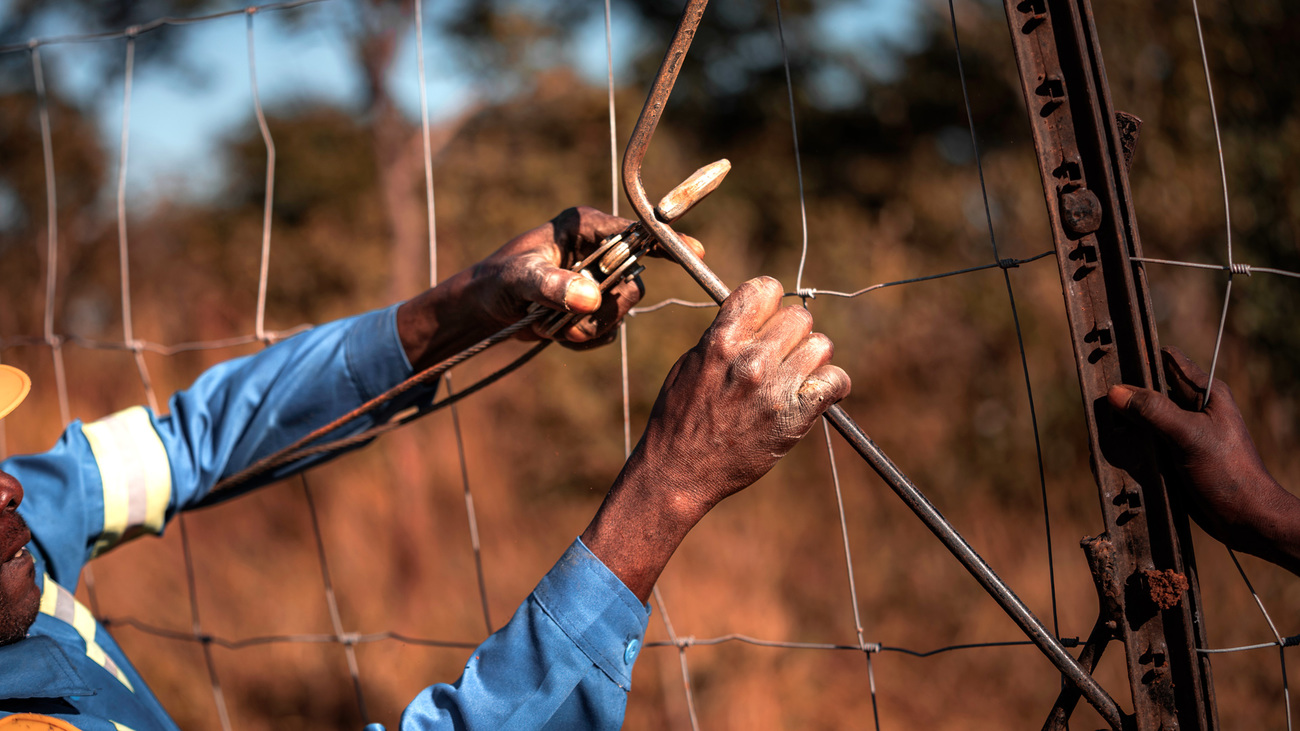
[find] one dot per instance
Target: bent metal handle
(843, 423)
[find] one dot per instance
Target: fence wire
(56, 342)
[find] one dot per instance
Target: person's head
(19, 599)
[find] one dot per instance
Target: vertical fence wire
(268, 201)
(331, 601)
(681, 644)
(469, 508)
(428, 147)
(1015, 316)
(1223, 319)
(124, 263)
(613, 209)
(613, 127)
(1277, 636)
(54, 342)
(128, 334)
(268, 209)
(196, 625)
(1227, 209)
(803, 295)
(848, 565)
(123, 249)
(623, 365)
(798, 160)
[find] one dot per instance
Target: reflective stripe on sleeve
(59, 603)
(135, 473)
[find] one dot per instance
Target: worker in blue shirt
(730, 408)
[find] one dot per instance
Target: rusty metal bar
(1083, 157)
(843, 423)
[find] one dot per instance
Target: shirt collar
(37, 667)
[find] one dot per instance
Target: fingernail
(695, 245)
(581, 295)
(1120, 396)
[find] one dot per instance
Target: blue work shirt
(564, 660)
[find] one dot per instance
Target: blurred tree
(79, 168)
(892, 192)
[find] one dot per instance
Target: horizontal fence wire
(357, 638)
(252, 338)
(138, 30)
(56, 343)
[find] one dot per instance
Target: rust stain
(1166, 587)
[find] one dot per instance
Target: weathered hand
(531, 267)
(729, 410)
(1234, 498)
(739, 400)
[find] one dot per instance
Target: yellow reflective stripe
(135, 473)
(49, 596)
(121, 726)
(101, 657)
(60, 604)
(83, 622)
(95, 652)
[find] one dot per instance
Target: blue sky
(179, 115)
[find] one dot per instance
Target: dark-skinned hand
(1233, 496)
(742, 398)
(730, 408)
(532, 267)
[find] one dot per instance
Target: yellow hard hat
(14, 385)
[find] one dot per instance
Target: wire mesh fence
(55, 346)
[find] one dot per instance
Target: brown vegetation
(892, 194)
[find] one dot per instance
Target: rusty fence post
(1142, 564)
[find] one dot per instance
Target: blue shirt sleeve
(130, 473)
(564, 661)
(245, 409)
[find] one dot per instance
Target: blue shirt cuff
(376, 360)
(596, 611)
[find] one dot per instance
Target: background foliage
(892, 193)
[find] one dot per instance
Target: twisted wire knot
(807, 293)
(1240, 269)
(1008, 263)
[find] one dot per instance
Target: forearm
(1271, 529)
(640, 525)
(445, 320)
